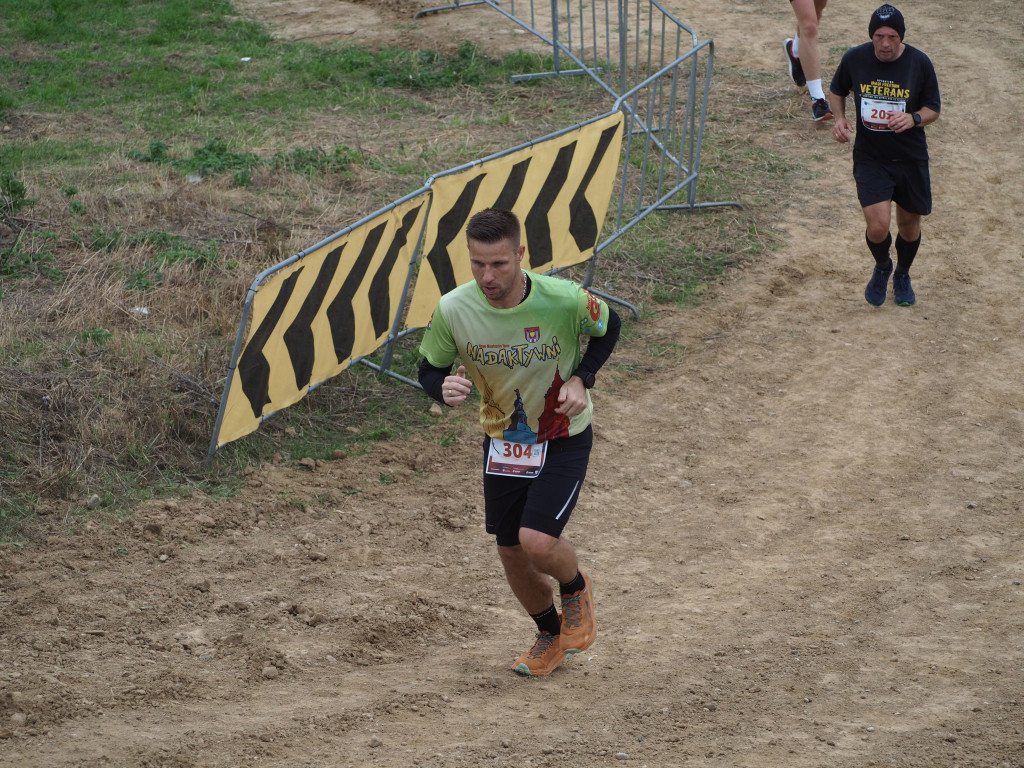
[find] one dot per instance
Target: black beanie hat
(887, 16)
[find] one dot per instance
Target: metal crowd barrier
(654, 71)
(653, 67)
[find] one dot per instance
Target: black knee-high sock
(548, 621)
(880, 250)
(906, 250)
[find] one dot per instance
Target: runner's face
(888, 45)
(497, 272)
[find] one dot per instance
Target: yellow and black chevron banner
(311, 318)
(559, 188)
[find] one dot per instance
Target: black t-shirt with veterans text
(878, 87)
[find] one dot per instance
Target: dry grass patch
(111, 375)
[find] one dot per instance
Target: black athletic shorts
(905, 182)
(542, 503)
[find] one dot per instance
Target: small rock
(375, 741)
(18, 719)
(205, 520)
(621, 756)
(308, 462)
(93, 501)
(270, 672)
(435, 409)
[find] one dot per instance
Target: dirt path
(804, 528)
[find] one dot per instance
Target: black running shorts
(905, 182)
(542, 503)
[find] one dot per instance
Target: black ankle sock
(880, 250)
(548, 621)
(906, 250)
(573, 586)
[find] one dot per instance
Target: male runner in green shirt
(517, 338)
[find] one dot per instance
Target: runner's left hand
(572, 397)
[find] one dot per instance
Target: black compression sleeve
(432, 379)
(599, 348)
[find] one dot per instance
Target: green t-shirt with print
(519, 357)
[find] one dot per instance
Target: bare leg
(530, 566)
(878, 218)
(808, 14)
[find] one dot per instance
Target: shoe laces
(572, 610)
(542, 644)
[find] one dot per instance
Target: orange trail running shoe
(579, 628)
(542, 659)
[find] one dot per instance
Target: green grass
(217, 156)
(15, 263)
(160, 66)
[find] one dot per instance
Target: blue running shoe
(878, 284)
(901, 290)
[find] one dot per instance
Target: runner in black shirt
(896, 94)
